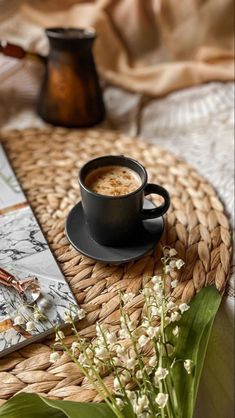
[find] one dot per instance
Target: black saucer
(78, 235)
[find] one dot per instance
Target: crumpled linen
(151, 47)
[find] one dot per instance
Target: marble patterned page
(24, 253)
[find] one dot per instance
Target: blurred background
(166, 69)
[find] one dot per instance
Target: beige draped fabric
(145, 46)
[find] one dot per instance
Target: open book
(24, 253)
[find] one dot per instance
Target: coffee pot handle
(160, 210)
(16, 51)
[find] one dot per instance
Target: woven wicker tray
(47, 163)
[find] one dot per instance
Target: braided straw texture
(47, 163)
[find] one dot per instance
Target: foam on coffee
(113, 180)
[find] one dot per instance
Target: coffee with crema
(113, 180)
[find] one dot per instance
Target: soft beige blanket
(146, 46)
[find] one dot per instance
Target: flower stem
(110, 404)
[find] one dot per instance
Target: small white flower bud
(54, 357)
(122, 380)
(123, 333)
(147, 291)
(19, 320)
(175, 331)
(101, 352)
(172, 264)
(161, 373)
(81, 314)
(175, 316)
(166, 251)
(127, 297)
(116, 384)
(74, 347)
(38, 315)
(138, 409)
(172, 252)
(161, 399)
(130, 363)
(157, 288)
(153, 361)
(179, 263)
(119, 402)
(89, 352)
(156, 280)
(59, 336)
(130, 394)
(120, 349)
(132, 353)
(30, 326)
(68, 318)
(145, 323)
(153, 331)
(154, 311)
(143, 402)
(188, 366)
(167, 320)
(183, 307)
(139, 374)
(143, 340)
(170, 305)
(111, 338)
(174, 283)
(167, 269)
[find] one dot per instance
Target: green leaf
(27, 405)
(81, 409)
(195, 328)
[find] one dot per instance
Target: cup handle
(160, 210)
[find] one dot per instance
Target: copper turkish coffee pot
(70, 94)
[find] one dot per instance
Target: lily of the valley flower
(153, 331)
(30, 326)
(175, 331)
(54, 357)
(38, 315)
(175, 316)
(127, 297)
(141, 354)
(75, 347)
(140, 404)
(130, 363)
(59, 335)
(19, 320)
(172, 252)
(161, 373)
(143, 340)
(161, 399)
(183, 307)
(188, 366)
(179, 263)
(156, 280)
(174, 283)
(101, 352)
(81, 314)
(153, 361)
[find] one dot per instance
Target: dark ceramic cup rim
(121, 159)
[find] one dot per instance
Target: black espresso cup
(112, 220)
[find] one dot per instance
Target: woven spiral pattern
(47, 163)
